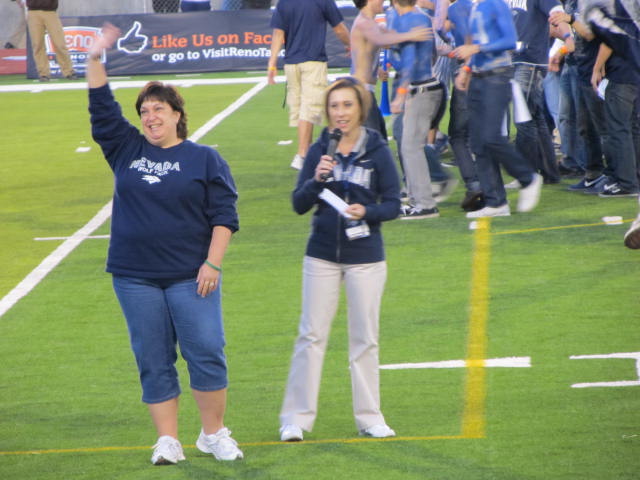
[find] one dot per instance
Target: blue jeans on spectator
(593, 130)
(459, 139)
(551, 90)
(572, 144)
(533, 139)
(489, 98)
(163, 313)
(619, 108)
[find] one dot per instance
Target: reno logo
(78, 40)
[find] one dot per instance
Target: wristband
(466, 68)
(272, 69)
(215, 267)
(402, 90)
(564, 50)
(566, 35)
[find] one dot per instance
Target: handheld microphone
(334, 139)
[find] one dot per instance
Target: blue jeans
(459, 139)
(489, 98)
(533, 139)
(593, 129)
(163, 313)
(551, 91)
(619, 101)
(572, 144)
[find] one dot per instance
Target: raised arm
(96, 73)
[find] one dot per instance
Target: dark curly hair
(360, 3)
(168, 94)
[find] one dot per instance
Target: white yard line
(508, 362)
(70, 243)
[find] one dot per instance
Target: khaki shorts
(306, 83)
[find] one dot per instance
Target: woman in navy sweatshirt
(343, 247)
(174, 211)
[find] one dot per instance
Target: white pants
(364, 284)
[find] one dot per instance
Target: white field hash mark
(70, 243)
(507, 362)
(623, 383)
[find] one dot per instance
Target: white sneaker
(220, 445)
(167, 451)
(378, 431)
(529, 196)
(632, 237)
(291, 433)
(297, 162)
(502, 211)
(513, 185)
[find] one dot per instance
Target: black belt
(426, 86)
(495, 71)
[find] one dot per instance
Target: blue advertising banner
(180, 42)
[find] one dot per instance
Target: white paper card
(335, 201)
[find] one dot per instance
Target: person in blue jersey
(531, 58)
(487, 75)
(367, 38)
(174, 211)
(418, 96)
(458, 14)
(344, 248)
(301, 27)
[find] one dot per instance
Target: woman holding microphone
(344, 247)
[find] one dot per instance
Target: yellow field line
(562, 227)
(247, 444)
(473, 417)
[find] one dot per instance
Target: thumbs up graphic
(133, 41)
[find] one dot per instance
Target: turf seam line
(561, 227)
(244, 444)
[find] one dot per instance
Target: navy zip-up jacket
(166, 201)
(369, 178)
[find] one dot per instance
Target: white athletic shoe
(167, 451)
(502, 211)
(291, 433)
(529, 196)
(512, 185)
(378, 431)
(297, 162)
(220, 445)
(632, 237)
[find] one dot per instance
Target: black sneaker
(9, 45)
(612, 190)
(71, 76)
(43, 79)
(472, 201)
(415, 214)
